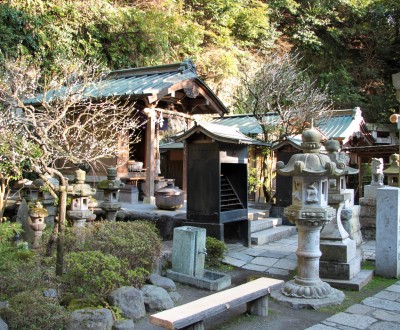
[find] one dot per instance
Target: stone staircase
(265, 229)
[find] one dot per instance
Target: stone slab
(233, 262)
(389, 295)
(352, 320)
(360, 309)
(286, 264)
(356, 283)
(277, 271)
(394, 288)
(263, 261)
(240, 256)
(321, 327)
(386, 316)
(382, 304)
(256, 268)
(384, 326)
(336, 298)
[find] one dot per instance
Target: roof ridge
(182, 67)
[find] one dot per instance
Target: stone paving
(379, 312)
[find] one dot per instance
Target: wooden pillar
(184, 174)
(150, 159)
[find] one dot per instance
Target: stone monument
(340, 263)
(310, 212)
(368, 202)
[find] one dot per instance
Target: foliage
(31, 310)
(350, 46)
(94, 274)
(215, 252)
(137, 242)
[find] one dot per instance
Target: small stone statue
(312, 194)
(377, 172)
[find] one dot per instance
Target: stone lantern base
(334, 298)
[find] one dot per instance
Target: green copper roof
(151, 83)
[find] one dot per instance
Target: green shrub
(93, 274)
(138, 242)
(22, 269)
(215, 252)
(30, 310)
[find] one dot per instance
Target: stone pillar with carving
(310, 212)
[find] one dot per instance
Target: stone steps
(266, 223)
(272, 234)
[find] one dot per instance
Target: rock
(164, 282)
(123, 325)
(156, 298)
(4, 304)
(99, 319)
(3, 325)
(175, 296)
(129, 300)
(50, 293)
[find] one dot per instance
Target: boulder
(50, 293)
(175, 296)
(99, 319)
(129, 300)
(3, 325)
(156, 298)
(124, 325)
(164, 282)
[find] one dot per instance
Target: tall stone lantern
(310, 212)
(37, 214)
(81, 191)
(111, 188)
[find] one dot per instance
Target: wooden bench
(192, 315)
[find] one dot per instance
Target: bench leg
(196, 326)
(258, 307)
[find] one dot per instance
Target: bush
(215, 252)
(30, 310)
(94, 275)
(137, 242)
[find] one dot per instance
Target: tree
(66, 121)
(279, 87)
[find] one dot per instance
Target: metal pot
(169, 197)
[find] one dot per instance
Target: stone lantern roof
(339, 158)
(310, 162)
(80, 188)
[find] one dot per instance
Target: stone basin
(212, 281)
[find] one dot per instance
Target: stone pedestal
(388, 232)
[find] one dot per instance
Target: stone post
(310, 212)
(387, 260)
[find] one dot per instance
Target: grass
(378, 283)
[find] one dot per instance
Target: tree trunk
(62, 209)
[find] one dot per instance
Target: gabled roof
(176, 84)
(341, 125)
(219, 133)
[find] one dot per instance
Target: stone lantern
(46, 198)
(28, 190)
(310, 212)
(80, 193)
(392, 172)
(111, 187)
(341, 238)
(36, 216)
